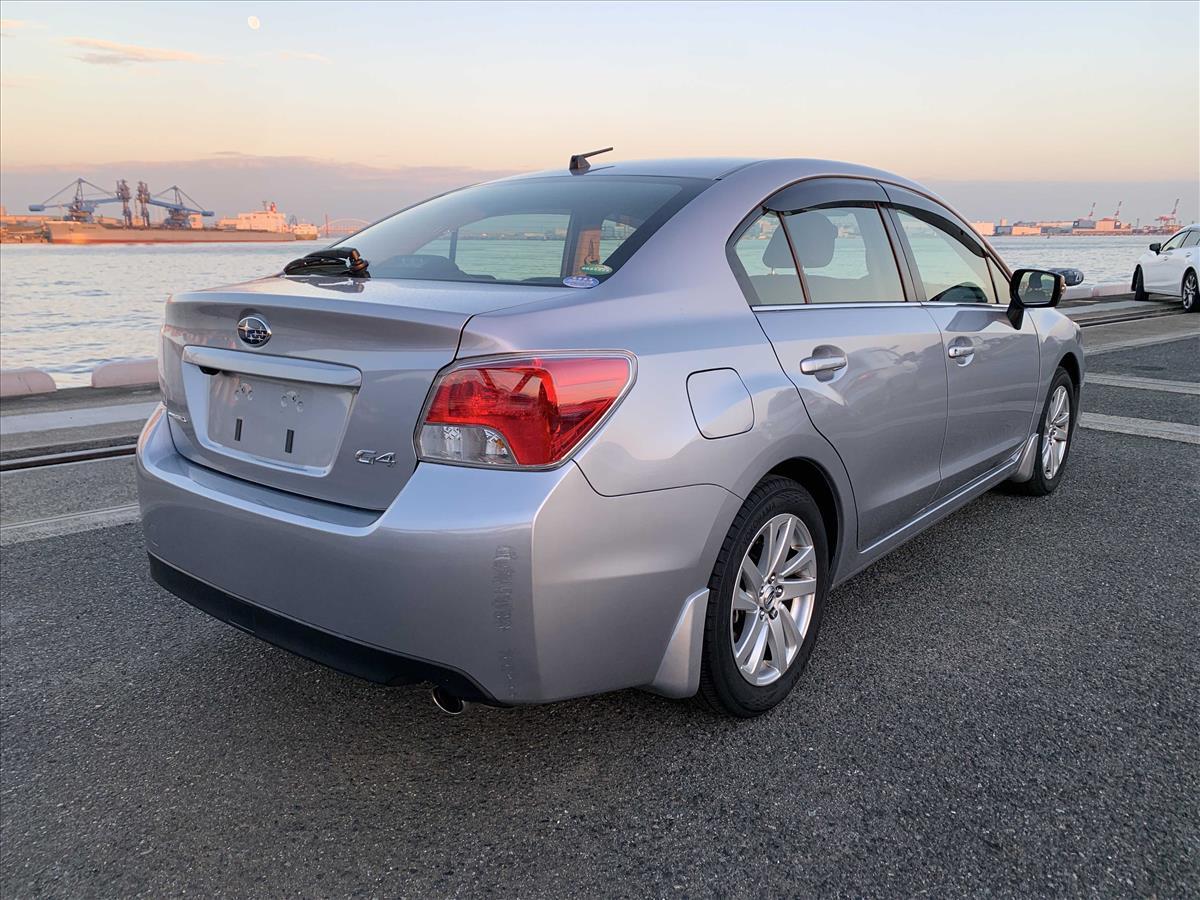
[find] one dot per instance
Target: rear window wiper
(332, 261)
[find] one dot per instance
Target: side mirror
(1156, 247)
(1032, 289)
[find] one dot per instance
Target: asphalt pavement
(1007, 706)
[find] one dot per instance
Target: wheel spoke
(781, 541)
(744, 601)
(1060, 402)
(757, 648)
(778, 643)
(791, 626)
(751, 573)
(797, 562)
(751, 632)
(797, 587)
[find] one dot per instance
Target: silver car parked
(613, 426)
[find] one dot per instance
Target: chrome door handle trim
(960, 352)
(816, 364)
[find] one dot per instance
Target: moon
(253, 23)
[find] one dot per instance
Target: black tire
(1139, 289)
(1189, 292)
(1039, 485)
(722, 687)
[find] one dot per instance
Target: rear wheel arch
(817, 482)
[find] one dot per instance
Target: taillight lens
(520, 412)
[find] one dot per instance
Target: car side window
(951, 271)
(1174, 242)
(845, 255)
(1192, 239)
(766, 259)
(1000, 280)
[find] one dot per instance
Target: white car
(1170, 268)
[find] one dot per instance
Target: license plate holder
(292, 423)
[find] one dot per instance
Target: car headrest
(778, 255)
(813, 236)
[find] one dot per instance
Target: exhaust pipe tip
(447, 702)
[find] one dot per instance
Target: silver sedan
(619, 425)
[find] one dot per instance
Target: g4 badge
(371, 457)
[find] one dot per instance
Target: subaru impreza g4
(613, 426)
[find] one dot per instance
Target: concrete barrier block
(19, 382)
(1109, 289)
(1078, 292)
(125, 373)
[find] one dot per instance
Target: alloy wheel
(1190, 291)
(773, 599)
(1058, 431)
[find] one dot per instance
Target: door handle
(814, 365)
(960, 351)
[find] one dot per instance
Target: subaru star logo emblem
(254, 331)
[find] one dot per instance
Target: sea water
(65, 309)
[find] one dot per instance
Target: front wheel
(1189, 293)
(767, 596)
(1055, 433)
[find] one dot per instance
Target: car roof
(714, 168)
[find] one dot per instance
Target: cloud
(304, 56)
(7, 26)
(110, 53)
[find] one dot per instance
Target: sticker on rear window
(595, 269)
(581, 281)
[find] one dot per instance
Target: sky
(352, 109)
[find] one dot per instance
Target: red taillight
(529, 411)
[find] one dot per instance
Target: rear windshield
(527, 231)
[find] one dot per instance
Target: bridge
(342, 227)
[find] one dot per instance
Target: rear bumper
(509, 587)
(337, 652)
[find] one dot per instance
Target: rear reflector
(520, 412)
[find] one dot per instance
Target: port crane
(172, 200)
(1117, 214)
(81, 207)
(1169, 222)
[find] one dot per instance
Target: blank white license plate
(290, 422)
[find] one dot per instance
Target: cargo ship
(60, 231)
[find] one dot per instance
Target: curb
(24, 381)
(119, 373)
(126, 373)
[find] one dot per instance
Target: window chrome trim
(866, 304)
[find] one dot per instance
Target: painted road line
(73, 418)
(1144, 384)
(1166, 431)
(1138, 342)
(56, 526)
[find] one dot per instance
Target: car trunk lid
(319, 392)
